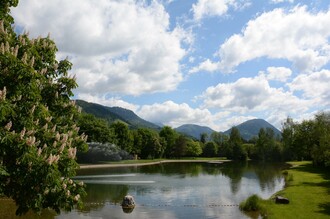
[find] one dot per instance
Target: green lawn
(308, 192)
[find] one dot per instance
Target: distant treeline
(308, 140)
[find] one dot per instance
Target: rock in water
(128, 202)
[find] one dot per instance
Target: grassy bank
(308, 191)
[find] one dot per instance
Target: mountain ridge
(194, 130)
(251, 128)
(248, 129)
(112, 114)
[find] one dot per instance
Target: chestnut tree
(38, 132)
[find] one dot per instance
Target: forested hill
(194, 130)
(247, 129)
(251, 128)
(112, 114)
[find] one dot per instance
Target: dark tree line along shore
(307, 140)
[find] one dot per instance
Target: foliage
(287, 141)
(98, 130)
(301, 141)
(123, 137)
(321, 148)
(210, 149)
(169, 135)
(38, 134)
(103, 152)
(180, 149)
(309, 139)
(203, 137)
(250, 150)
(194, 148)
(266, 147)
(251, 204)
(236, 145)
(149, 144)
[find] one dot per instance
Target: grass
(308, 189)
(251, 204)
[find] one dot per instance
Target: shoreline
(112, 165)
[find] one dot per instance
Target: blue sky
(214, 63)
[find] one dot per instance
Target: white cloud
(278, 73)
(174, 115)
(244, 94)
(208, 8)
(253, 95)
(111, 102)
(299, 36)
(232, 121)
(211, 8)
(207, 65)
(281, 1)
(121, 47)
(315, 86)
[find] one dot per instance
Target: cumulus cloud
(315, 86)
(204, 8)
(278, 73)
(251, 95)
(232, 121)
(244, 94)
(297, 35)
(207, 65)
(281, 1)
(124, 47)
(111, 102)
(174, 114)
(211, 8)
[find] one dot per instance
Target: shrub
(99, 152)
(251, 204)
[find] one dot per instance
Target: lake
(176, 190)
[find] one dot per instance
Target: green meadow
(308, 189)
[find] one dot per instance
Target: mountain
(112, 114)
(247, 129)
(194, 130)
(251, 128)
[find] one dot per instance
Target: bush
(99, 152)
(251, 204)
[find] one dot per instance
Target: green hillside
(251, 128)
(194, 130)
(112, 114)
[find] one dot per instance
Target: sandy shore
(90, 166)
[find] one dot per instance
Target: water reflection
(176, 190)
(181, 190)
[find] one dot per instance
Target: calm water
(176, 190)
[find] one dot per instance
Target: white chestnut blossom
(30, 141)
(8, 126)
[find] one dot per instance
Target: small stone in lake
(128, 202)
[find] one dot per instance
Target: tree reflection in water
(168, 189)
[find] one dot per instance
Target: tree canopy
(38, 133)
